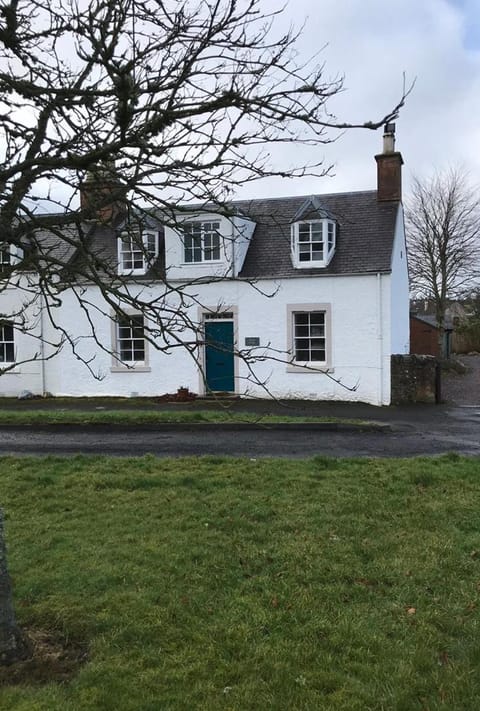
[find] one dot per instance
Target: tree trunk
(13, 646)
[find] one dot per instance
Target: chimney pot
(389, 168)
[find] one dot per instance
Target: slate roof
(364, 242)
(432, 321)
(55, 246)
(364, 237)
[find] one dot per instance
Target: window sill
(204, 261)
(132, 272)
(313, 264)
(10, 371)
(130, 369)
(307, 368)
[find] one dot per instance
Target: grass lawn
(150, 417)
(235, 584)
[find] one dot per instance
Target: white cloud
(373, 43)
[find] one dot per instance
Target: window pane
(131, 341)
(151, 243)
(331, 235)
(310, 245)
(7, 346)
(301, 355)
(4, 255)
(7, 332)
(131, 253)
(126, 352)
(138, 261)
(309, 336)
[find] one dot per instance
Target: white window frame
(13, 253)
(7, 343)
(321, 237)
(127, 365)
(203, 248)
(142, 251)
(307, 366)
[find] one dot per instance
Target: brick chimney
(389, 168)
(102, 195)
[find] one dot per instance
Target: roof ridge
(305, 197)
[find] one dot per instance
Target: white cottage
(300, 297)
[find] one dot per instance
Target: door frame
(214, 311)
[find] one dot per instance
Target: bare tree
(150, 104)
(443, 236)
(147, 105)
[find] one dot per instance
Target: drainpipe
(232, 223)
(380, 335)
(42, 345)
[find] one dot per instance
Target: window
(201, 241)
(9, 256)
(131, 340)
(137, 251)
(5, 256)
(313, 243)
(309, 337)
(7, 343)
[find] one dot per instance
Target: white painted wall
(369, 322)
(360, 343)
(26, 375)
(236, 232)
(400, 290)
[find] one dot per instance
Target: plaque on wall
(252, 341)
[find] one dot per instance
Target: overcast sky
(373, 43)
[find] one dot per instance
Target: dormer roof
(311, 209)
(365, 230)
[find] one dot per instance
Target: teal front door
(219, 364)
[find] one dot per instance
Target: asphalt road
(444, 430)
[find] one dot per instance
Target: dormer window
(5, 256)
(313, 243)
(201, 242)
(9, 256)
(137, 251)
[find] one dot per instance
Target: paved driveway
(425, 430)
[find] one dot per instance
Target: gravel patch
(463, 388)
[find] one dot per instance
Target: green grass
(138, 417)
(219, 583)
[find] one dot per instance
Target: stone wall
(415, 378)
